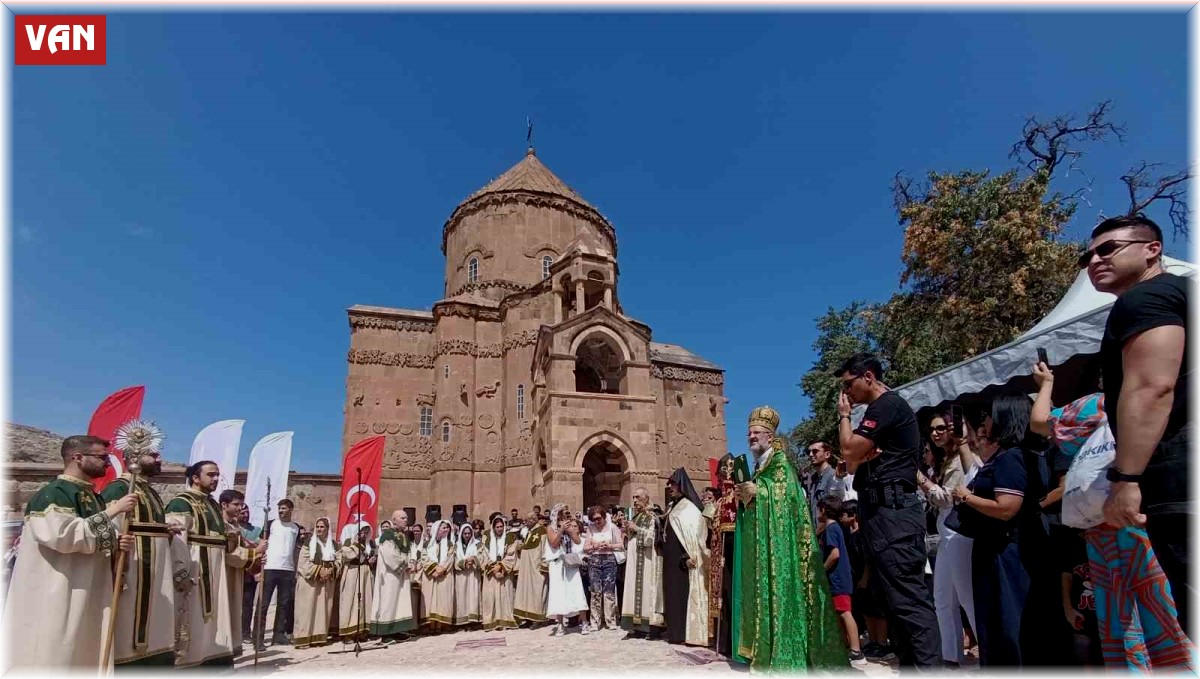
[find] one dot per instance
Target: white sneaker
(585, 629)
(558, 630)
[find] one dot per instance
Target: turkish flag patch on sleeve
(868, 424)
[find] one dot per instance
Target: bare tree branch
(1045, 145)
(1145, 189)
(902, 188)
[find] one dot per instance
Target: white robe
(691, 528)
(566, 595)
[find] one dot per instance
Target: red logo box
(60, 40)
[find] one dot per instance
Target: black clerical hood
(684, 484)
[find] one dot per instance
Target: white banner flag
(219, 442)
(269, 460)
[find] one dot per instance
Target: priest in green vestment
(785, 616)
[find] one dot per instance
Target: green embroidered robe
(786, 621)
(207, 610)
(60, 591)
(145, 632)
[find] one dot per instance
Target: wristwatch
(843, 417)
(1115, 476)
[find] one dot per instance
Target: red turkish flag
(712, 472)
(361, 470)
(114, 411)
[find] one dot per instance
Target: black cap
(459, 516)
(433, 513)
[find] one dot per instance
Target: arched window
(446, 432)
(520, 401)
(547, 260)
(472, 270)
(426, 421)
(446, 371)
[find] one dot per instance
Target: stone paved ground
(524, 651)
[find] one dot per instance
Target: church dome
(530, 178)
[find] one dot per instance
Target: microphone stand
(359, 582)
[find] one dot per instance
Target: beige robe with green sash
(204, 612)
(355, 579)
(393, 599)
(499, 586)
(467, 585)
(530, 600)
(316, 588)
(60, 591)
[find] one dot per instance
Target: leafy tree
(984, 259)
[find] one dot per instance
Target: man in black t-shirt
(1143, 363)
(882, 453)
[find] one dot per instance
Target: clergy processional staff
(156, 567)
(784, 618)
(59, 599)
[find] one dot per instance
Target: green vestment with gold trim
(784, 618)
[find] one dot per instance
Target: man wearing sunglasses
(1142, 359)
(883, 452)
(62, 583)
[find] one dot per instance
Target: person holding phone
(952, 574)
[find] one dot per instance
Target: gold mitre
(764, 416)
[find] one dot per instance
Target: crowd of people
(924, 536)
(962, 531)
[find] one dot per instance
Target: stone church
(527, 383)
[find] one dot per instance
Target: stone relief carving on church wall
(670, 372)
(397, 324)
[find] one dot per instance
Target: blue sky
(197, 215)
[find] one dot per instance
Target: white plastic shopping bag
(1087, 484)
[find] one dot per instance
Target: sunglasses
(814, 451)
(1107, 249)
(846, 383)
(940, 429)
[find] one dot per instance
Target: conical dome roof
(530, 175)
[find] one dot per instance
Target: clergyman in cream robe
(203, 613)
(499, 572)
(316, 588)
(60, 592)
(642, 604)
(145, 630)
(529, 605)
(356, 584)
(686, 521)
(439, 575)
(467, 581)
(393, 605)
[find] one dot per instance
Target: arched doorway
(605, 474)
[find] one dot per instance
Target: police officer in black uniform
(883, 453)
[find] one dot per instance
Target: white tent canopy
(1075, 326)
